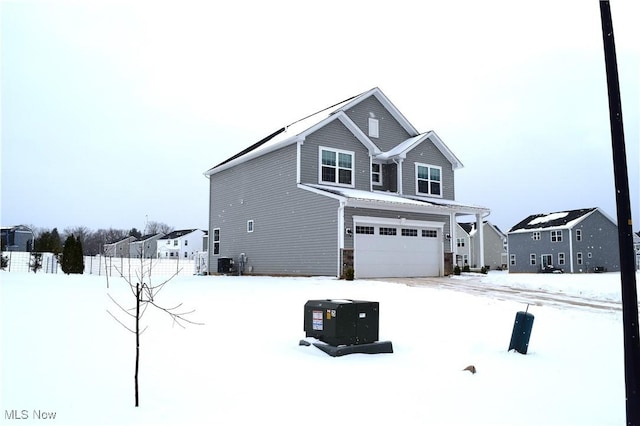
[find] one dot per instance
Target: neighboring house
(352, 186)
(145, 246)
(17, 238)
(186, 244)
(118, 248)
(494, 247)
(584, 240)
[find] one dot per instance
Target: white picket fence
(112, 266)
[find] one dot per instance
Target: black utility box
(521, 332)
(225, 265)
(342, 322)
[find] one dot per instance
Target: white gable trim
(400, 151)
(381, 97)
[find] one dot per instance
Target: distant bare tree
(82, 234)
(154, 227)
(145, 295)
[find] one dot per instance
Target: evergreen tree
(56, 243)
(68, 252)
(78, 258)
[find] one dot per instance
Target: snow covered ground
(63, 355)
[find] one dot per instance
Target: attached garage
(397, 248)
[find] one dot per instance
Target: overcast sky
(112, 111)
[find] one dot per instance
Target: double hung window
(428, 180)
(336, 166)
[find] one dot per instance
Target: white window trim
(579, 258)
(379, 174)
(337, 151)
(562, 259)
(512, 259)
(578, 234)
(431, 166)
(535, 235)
(532, 259)
(250, 225)
(558, 235)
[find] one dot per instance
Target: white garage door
(392, 249)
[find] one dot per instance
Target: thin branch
(120, 306)
(120, 322)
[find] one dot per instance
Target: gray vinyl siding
(427, 153)
(295, 231)
(391, 133)
(493, 248)
(335, 135)
(599, 237)
(349, 212)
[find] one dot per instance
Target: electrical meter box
(342, 321)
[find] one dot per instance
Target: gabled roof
(470, 227)
(557, 220)
(401, 150)
(177, 234)
(127, 239)
(149, 236)
(298, 130)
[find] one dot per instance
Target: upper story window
(556, 236)
(535, 236)
(376, 173)
(374, 127)
(460, 242)
(578, 234)
(336, 166)
(250, 225)
(428, 180)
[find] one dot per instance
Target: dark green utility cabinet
(521, 332)
(342, 322)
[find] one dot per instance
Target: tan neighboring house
(494, 247)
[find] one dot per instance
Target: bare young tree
(145, 294)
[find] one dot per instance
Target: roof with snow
(299, 129)
(564, 219)
(382, 199)
(177, 234)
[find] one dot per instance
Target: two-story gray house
(584, 240)
(352, 186)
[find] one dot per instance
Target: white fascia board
(397, 222)
(457, 164)
(321, 192)
(394, 111)
(408, 208)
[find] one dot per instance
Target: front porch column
(480, 233)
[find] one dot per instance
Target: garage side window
(428, 180)
(387, 231)
(368, 230)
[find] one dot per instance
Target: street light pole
(625, 226)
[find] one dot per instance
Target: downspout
(341, 232)
(571, 250)
(398, 176)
